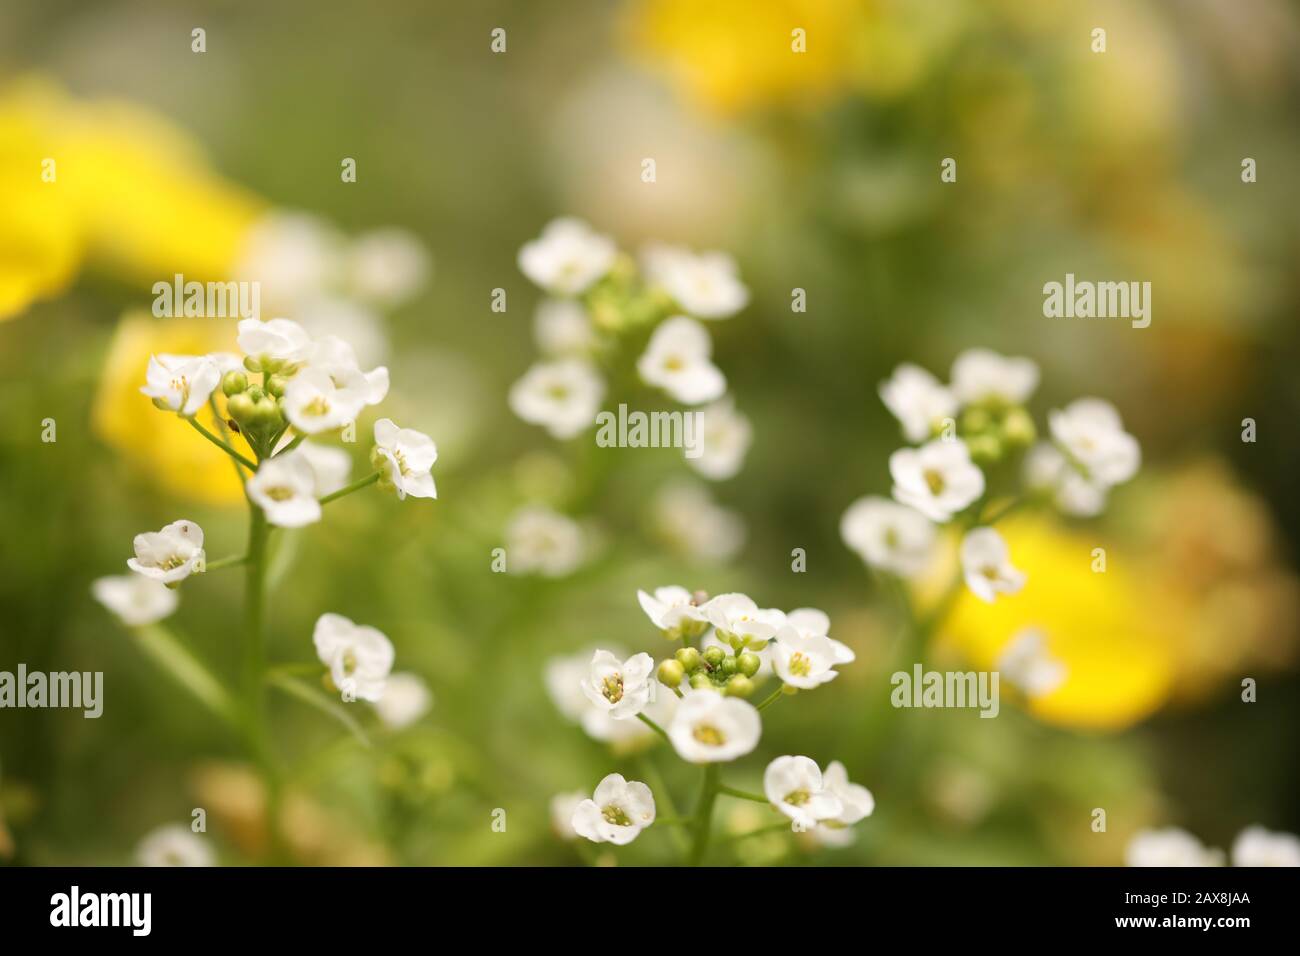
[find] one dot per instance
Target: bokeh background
(818, 171)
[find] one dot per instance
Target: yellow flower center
(800, 664)
(279, 493)
(934, 480)
(614, 814)
(709, 735)
(613, 688)
(797, 798)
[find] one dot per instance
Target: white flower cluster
(596, 295)
(1171, 846)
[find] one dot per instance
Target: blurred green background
(820, 174)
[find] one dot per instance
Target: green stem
(316, 697)
(355, 486)
(229, 562)
(653, 726)
(744, 795)
(254, 667)
(772, 698)
(169, 653)
(222, 445)
(225, 435)
(704, 814)
(290, 447)
(760, 831)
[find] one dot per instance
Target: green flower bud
(275, 385)
(1018, 429)
(689, 658)
(739, 686)
(234, 382)
(252, 363)
(700, 681)
(976, 420)
(749, 663)
(671, 673)
(714, 656)
(729, 665)
(984, 449)
(272, 365)
(256, 393)
(241, 407)
(266, 411)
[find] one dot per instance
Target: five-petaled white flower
(1089, 430)
(725, 439)
(617, 812)
(170, 555)
(795, 786)
(359, 658)
(281, 339)
(711, 728)
(315, 400)
(285, 489)
(409, 456)
(812, 622)
(406, 699)
(1026, 663)
(330, 466)
(982, 375)
(674, 611)
(705, 285)
(622, 689)
(181, 383)
(545, 542)
(1169, 847)
(856, 800)
(136, 600)
(805, 660)
(1047, 470)
(676, 359)
(918, 401)
(889, 536)
(568, 257)
(562, 327)
(1256, 846)
(336, 357)
(938, 479)
(562, 396)
(986, 564)
(174, 845)
(739, 620)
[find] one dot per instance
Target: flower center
(934, 480)
(990, 571)
(279, 493)
(797, 798)
(171, 561)
(558, 392)
(674, 363)
(613, 688)
(614, 814)
(349, 662)
(891, 538)
(800, 664)
(317, 406)
(709, 735)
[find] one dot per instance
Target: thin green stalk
(159, 643)
(222, 445)
(760, 831)
(704, 814)
(772, 698)
(230, 562)
(355, 486)
(744, 795)
(316, 697)
(653, 726)
(254, 667)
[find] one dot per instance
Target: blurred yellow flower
(1116, 633)
(158, 444)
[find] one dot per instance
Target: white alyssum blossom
(563, 806)
(170, 555)
(408, 457)
(174, 845)
(336, 357)
(677, 359)
(812, 622)
(387, 266)
(982, 375)
(738, 619)
(794, 785)
(562, 396)
(281, 339)
(918, 401)
(359, 658)
(1256, 846)
(568, 257)
(545, 542)
(689, 520)
(406, 699)
(1169, 847)
(674, 611)
(330, 466)
(856, 801)
(616, 813)
(1027, 663)
(134, 599)
(1048, 471)
(316, 401)
(621, 688)
(562, 327)
(285, 489)
(725, 440)
(986, 565)
(564, 677)
(1090, 432)
(706, 285)
(889, 536)
(938, 479)
(711, 728)
(804, 660)
(181, 383)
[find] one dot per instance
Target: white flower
(281, 339)
(387, 266)
(738, 619)
(981, 375)
(688, 519)
(726, 438)
(359, 658)
(561, 327)
(705, 285)
(562, 396)
(174, 845)
(1169, 847)
(938, 479)
(811, 622)
(804, 660)
(563, 806)
(1089, 430)
(856, 800)
(917, 400)
(1256, 846)
(335, 356)
(1047, 470)
(330, 466)
(711, 728)
(410, 456)
(889, 536)
(316, 401)
(406, 699)
(544, 542)
(568, 257)
(621, 689)
(676, 359)
(673, 610)
(181, 383)
(135, 599)
(1026, 663)
(170, 555)
(617, 813)
(794, 786)
(599, 725)
(986, 563)
(285, 489)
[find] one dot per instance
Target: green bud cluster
(712, 669)
(994, 430)
(256, 409)
(620, 301)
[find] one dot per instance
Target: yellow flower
(1115, 632)
(160, 445)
